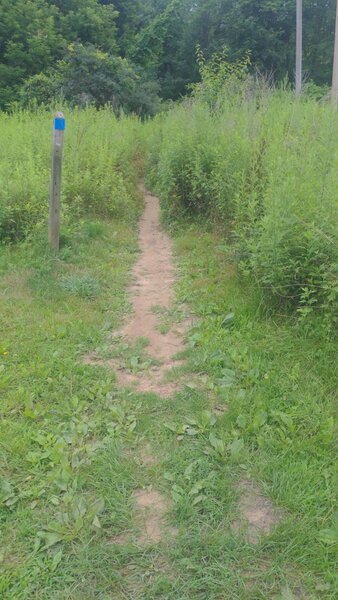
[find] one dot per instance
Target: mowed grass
(72, 442)
(61, 433)
(277, 386)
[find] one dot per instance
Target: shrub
(87, 75)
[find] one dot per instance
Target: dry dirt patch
(146, 457)
(151, 380)
(258, 514)
(153, 279)
(154, 276)
(151, 508)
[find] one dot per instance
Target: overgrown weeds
(263, 167)
(98, 169)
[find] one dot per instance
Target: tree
(34, 35)
(161, 36)
(132, 17)
(159, 48)
(87, 75)
(28, 43)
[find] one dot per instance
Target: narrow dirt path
(154, 277)
(152, 298)
(152, 293)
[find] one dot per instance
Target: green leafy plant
(219, 76)
(69, 522)
(193, 425)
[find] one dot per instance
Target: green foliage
(95, 229)
(158, 39)
(264, 168)
(97, 175)
(266, 28)
(277, 423)
(258, 403)
(218, 76)
(63, 478)
(87, 75)
(35, 34)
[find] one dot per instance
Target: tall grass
(259, 164)
(98, 172)
(265, 168)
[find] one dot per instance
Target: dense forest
(132, 53)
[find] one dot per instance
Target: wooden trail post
(55, 184)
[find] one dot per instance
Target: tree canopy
(49, 45)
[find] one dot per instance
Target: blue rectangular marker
(59, 124)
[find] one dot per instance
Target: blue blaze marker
(59, 124)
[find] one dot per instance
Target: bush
(89, 76)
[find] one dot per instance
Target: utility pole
(334, 92)
(299, 45)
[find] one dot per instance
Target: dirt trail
(154, 277)
(152, 291)
(152, 294)
(258, 514)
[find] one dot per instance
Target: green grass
(71, 441)
(70, 438)
(98, 178)
(57, 413)
(279, 389)
(262, 168)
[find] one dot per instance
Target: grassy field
(262, 169)
(258, 397)
(71, 440)
(98, 169)
(278, 389)
(57, 412)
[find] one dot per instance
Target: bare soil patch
(150, 380)
(154, 276)
(151, 508)
(146, 457)
(151, 294)
(258, 514)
